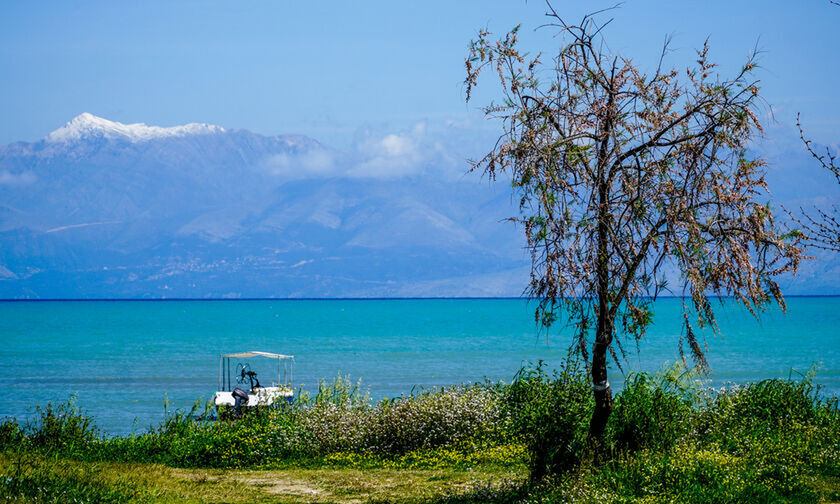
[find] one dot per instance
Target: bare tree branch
(822, 228)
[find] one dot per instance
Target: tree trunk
(604, 331)
(601, 389)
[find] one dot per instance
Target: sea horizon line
(401, 298)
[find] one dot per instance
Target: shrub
(333, 421)
(11, 434)
(701, 475)
(340, 418)
(551, 416)
(653, 411)
(64, 428)
(438, 418)
(765, 405)
(736, 417)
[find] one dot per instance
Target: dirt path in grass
(344, 486)
(168, 485)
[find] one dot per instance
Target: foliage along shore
(669, 440)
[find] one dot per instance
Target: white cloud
(393, 155)
(394, 145)
(313, 164)
(16, 179)
(383, 155)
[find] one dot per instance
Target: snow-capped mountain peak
(89, 125)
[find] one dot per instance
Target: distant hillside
(100, 209)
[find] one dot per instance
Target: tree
(622, 175)
(822, 227)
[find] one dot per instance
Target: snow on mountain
(88, 125)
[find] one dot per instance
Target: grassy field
(141, 482)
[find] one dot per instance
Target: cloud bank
(380, 154)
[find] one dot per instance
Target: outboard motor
(240, 398)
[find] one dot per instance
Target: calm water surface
(121, 358)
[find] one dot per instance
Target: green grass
(42, 479)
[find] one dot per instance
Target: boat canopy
(285, 364)
(248, 355)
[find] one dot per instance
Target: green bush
(550, 415)
(63, 428)
(341, 419)
(335, 419)
(771, 415)
(653, 411)
(438, 418)
(11, 434)
(696, 475)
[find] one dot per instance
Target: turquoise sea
(123, 358)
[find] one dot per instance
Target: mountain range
(101, 209)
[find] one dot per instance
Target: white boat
(243, 389)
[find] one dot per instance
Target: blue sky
(333, 69)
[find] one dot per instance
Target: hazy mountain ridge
(94, 212)
(106, 210)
